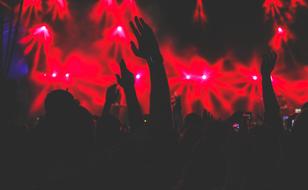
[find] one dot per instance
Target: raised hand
(127, 79)
(113, 94)
(268, 64)
(127, 82)
(148, 47)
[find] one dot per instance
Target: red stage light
(67, 75)
(119, 31)
(188, 77)
(42, 31)
(199, 13)
(280, 30)
(59, 9)
(254, 77)
(273, 7)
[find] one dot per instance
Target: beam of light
(31, 9)
(42, 33)
(199, 13)
(103, 8)
(59, 9)
(282, 36)
(91, 72)
(298, 3)
(38, 40)
(273, 7)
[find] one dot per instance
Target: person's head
(59, 102)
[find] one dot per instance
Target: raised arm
(272, 110)
(148, 48)
(112, 96)
(127, 82)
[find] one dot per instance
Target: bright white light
(138, 76)
(43, 30)
(119, 31)
(280, 30)
(188, 77)
(204, 77)
(54, 75)
(67, 75)
(254, 77)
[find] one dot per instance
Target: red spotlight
(188, 77)
(42, 31)
(119, 31)
(138, 76)
(280, 30)
(204, 77)
(45, 75)
(54, 75)
(67, 75)
(255, 77)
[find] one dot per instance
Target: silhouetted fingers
(123, 66)
(145, 25)
(135, 30)
(138, 24)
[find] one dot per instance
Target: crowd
(69, 149)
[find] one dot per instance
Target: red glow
(39, 35)
(281, 36)
(199, 14)
(31, 8)
(297, 3)
(38, 41)
(59, 9)
(87, 72)
(273, 7)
